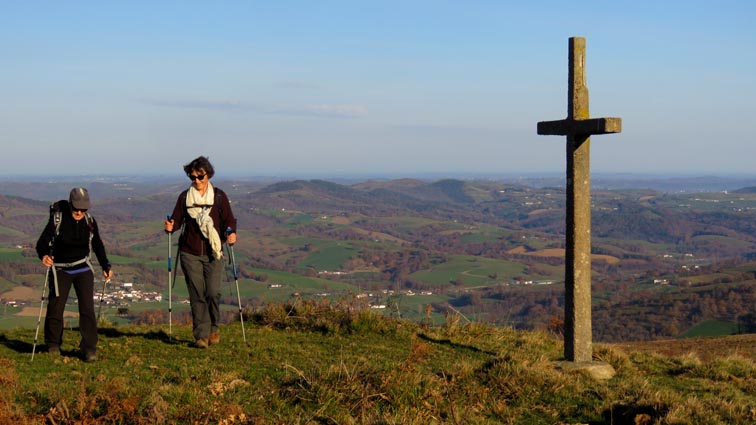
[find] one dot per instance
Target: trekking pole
(41, 306)
(170, 270)
(102, 296)
(236, 279)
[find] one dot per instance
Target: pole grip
(170, 258)
(233, 259)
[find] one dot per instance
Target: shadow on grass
(18, 345)
(159, 335)
(24, 346)
(452, 344)
(624, 414)
(40, 350)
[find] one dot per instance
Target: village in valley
(112, 295)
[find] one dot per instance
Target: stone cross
(578, 128)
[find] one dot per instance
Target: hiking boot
(201, 343)
(54, 350)
(90, 357)
(214, 338)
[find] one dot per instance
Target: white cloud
(296, 85)
(344, 111)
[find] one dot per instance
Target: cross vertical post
(578, 127)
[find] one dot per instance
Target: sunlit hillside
(320, 363)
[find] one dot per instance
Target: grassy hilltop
(325, 363)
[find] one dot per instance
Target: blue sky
(399, 88)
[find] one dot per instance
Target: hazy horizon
(669, 183)
(378, 175)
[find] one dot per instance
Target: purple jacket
(191, 240)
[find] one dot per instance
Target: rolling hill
(400, 239)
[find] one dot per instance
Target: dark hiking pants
(203, 280)
(83, 283)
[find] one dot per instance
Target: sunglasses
(79, 210)
(197, 177)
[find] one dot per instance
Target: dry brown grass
(319, 363)
(707, 349)
(560, 252)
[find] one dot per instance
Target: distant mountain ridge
(646, 215)
(50, 187)
(405, 193)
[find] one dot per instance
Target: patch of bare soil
(707, 349)
(517, 250)
(22, 293)
(34, 311)
(560, 252)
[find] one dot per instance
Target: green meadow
(473, 271)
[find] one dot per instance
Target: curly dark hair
(201, 163)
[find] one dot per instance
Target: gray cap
(79, 198)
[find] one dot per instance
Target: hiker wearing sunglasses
(64, 247)
(203, 212)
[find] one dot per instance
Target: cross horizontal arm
(586, 127)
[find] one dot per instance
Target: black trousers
(83, 284)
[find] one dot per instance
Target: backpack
(56, 217)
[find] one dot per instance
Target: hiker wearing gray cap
(64, 247)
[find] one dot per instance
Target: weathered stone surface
(589, 126)
(599, 371)
(578, 128)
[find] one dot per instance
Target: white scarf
(198, 207)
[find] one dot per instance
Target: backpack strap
(56, 216)
(219, 202)
(90, 224)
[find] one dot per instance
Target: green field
(330, 257)
(299, 220)
(711, 328)
(11, 321)
(483, 234)
(13, 254)
(474, 271)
